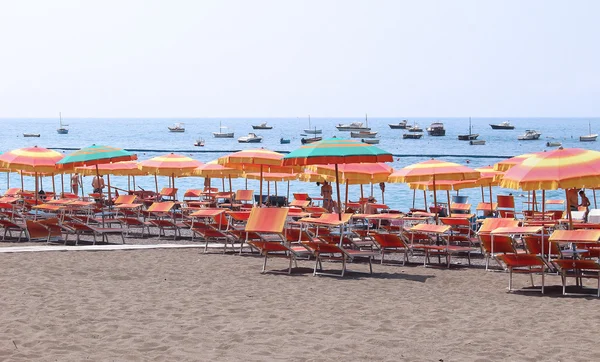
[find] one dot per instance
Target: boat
(177, 127)
(553, 144)
(476, 142)
(310, 140)
(502, 125)
(412, 136)
(262, 126)
(284, 141)
(62, 129)
(399, 125)
(363, 134)
(354, 126)
(370, 141)
(250, 138)
(468, 137)
(31, 134)
(591, 137)
(312, 130)
(222, 134)
(414, 128)
(436, 129)
(199, 142)
(530, 135)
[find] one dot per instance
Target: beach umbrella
(171, 165)
(505, 165)
(212, 169)
(434, 171)
(336, 152)
(251, 158)
(31, 159)
(558, 169)
(273, 177)
(95, 155)
(123, 168)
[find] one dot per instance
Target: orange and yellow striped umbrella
(31, 159)
(169, 165)
(311, 176)
(271, 176)
(213, 170)
(433, 170)
(249, 158)
(558, 169)
(123, 168)
(357, 173)
(510, 162)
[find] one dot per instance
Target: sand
(182, 305)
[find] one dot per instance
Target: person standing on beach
(98, 184)
(572, 199)
(585, 202)
(327, 192)
(75, 183)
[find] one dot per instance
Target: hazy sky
(292, 58)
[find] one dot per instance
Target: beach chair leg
(598, 290)
(370, 265)
(509, 279)
(290, 268)
(531, 276)
(343, 264)
(264, 268)
(405, 260)
(205, 246)
(123, 238)
(543, 277)
(564, 282)
(382, 255)
(316, 265)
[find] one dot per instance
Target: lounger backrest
(125, 199)
(490, 224)
(571, 264)
(266, 220)
(389, 240)
(168, 191)
(164, 206)
(502, 243)
(301, 196)
(14, 191)
(192, 193)
(244, 195)
(533, 244)
(521, 260)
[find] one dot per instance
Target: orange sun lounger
(524, 264)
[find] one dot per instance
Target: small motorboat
(476, 142)
(177, 127)
(354, 126)
(262, 126)
(199, 142)
(284, 141)
(222, 134)
(412, 136)
(399, 125)
(370, 141)
(310, 140)
(250, 138)
(502, 125)
(31, 134)
(553, 144)
(312, 130)
(436, 129)
(591, 137)
(363, 134)
(530, 135)
(414, 128)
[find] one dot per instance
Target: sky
(288, 58)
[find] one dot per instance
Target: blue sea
(150, 137)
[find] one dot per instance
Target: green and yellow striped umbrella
(95, 155)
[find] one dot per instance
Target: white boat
(436, 129)
(262, 126)
(370, 141)
(250, 138)
(530, 135)
(414, 128)
(363, 134)
(399, 125)
(31, 134)
(476, 142)
(222, 134)
(553, 144)
(354, 126)
(177, 127)
(199, 142)
(412, 136)
(591, 137)
(312, 130)
(62, 129)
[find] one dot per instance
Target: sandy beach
(183, 305)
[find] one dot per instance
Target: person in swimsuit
(75, 183)
(327, 193)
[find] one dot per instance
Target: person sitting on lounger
(327, 193)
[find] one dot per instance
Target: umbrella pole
(346, 193)
(593, 192)
(337, 185)
(128, 182)
(223, 184)
(482, 195)
(36, 189)
(62, 183)
(425, 199)
(543, 204)
(287, 199)
(230, 184)
(414, 197)
(156, 185)
(275, 189)
(8, 183)
(371, 189)
(22, 187)
(361, 202)
(435, 201)
(491, 201)
(448, 196)
(109, 195)
(261, 176)
(133, 178)
(382, 197)
(53, 185)
(81, 182)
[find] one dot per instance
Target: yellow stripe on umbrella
(172, 165)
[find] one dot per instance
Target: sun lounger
(524, 264)
(391, 243)
(80, 229)
(47, 230)
(12, 192)
(578, 269)
(9, 226)
(325, 251)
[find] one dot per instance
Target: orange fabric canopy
(433, 170)
(169, 165)
(31, 159)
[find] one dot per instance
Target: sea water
(150, 137)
